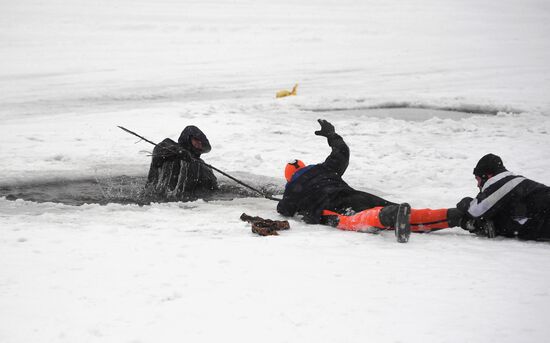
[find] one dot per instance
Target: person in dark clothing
(318, 193)
(511, 204)
(176, 171)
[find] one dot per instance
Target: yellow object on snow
(284, 92)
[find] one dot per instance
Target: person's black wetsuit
(319, 187)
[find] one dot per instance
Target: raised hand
(327, 128)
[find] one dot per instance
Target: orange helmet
(293, 167)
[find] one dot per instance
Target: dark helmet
(188, 134)
(489, 165)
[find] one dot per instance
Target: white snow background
(70, 71)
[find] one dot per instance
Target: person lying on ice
(510, 205)
(176, 171)
(318, 193)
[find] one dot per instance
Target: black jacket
(319, 187)
(516, 205)
(176, 171)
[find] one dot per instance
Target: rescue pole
(265, 195)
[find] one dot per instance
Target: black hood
(192, 131)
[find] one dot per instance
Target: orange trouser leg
(359, 221)
(421, 219)
(426, 219)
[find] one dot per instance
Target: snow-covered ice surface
(71, 71)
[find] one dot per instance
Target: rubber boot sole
(403, 223)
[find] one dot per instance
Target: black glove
(479, 227)
(470, 224)
(464, 204)
(327, 128)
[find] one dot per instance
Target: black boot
(331, 220)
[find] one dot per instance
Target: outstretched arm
(338, 159)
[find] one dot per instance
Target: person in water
(177, 171)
